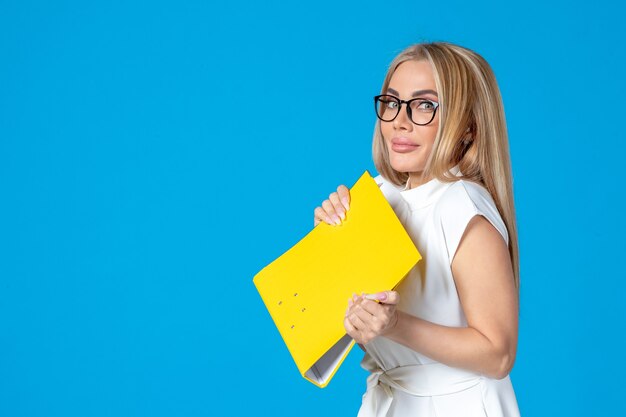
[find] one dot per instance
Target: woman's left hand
(366, 319)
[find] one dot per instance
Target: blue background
(154, 156)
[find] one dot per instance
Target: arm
(484, 278)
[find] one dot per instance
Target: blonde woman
(443, 343)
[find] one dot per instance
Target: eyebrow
(415, 93)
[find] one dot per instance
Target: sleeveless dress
(404, 382)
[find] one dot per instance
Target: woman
(443, 343)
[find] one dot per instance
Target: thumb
(385, 297)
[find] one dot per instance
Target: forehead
(411, 76)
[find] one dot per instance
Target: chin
(402, 165)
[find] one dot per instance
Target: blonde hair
(470, 106)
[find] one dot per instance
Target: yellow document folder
(306, 290)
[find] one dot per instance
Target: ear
(469, 135)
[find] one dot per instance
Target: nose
(402, 120)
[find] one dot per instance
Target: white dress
(404, 382)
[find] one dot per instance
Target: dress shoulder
(390, 191)
(458, 205)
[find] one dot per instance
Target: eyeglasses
(421, 111)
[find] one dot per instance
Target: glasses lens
(422, 111)
(387, 108)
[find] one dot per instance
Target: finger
(351, 330)
(372, 307)
(350, 304)
(355, 298)
(387, 297)
(378, 318)
(320, 215)
(382, 315)
(344, 196)
(349, 327)
(330, 211)
(366, 317)
(339, 208)
(357, 301)
(351, 307)
(356, 321)
(393, 297)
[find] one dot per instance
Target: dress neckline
(427, 193)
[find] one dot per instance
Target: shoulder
(458, 205)
(464, 195)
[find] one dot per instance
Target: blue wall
(154, 156)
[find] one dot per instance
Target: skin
(481, 267)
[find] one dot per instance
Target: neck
(416, 179)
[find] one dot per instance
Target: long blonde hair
(472, 130)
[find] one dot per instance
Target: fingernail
(345, 203)
(343, 215)
(380, 296)
(336, 220)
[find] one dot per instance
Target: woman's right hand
(333, 210)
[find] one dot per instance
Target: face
(410, 145)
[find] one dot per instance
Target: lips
(403, 145)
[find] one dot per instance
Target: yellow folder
(306, 290)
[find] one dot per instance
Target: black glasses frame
(409, 112)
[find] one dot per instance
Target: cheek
(386, 131)
(428, 138)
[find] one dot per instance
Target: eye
(389, 102)
(424, 105)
